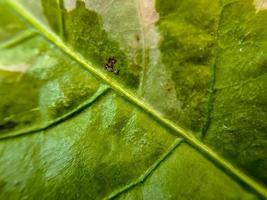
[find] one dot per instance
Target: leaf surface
(190, 97)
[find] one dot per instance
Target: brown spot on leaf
(110, 65)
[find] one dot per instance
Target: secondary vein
(101, 92)
(148, 172)
(18, 38)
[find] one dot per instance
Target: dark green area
(83, 29)
(188, 48)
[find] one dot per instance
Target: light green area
(88, 156)
(184, 176)
(10, 24)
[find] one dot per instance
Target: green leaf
(184, 119)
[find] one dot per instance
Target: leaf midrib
(186, 134)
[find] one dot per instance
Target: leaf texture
(184, 119)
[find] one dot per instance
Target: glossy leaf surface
(184, 119)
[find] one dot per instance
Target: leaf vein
(148, 172)
(188, 136)
(18, 38)
(101, 92)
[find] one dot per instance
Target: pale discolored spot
(261, 5)
(14, 68)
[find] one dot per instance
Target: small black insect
(110, 65)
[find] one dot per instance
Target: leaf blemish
(110, 65)
(8, 125)
(137, 37)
